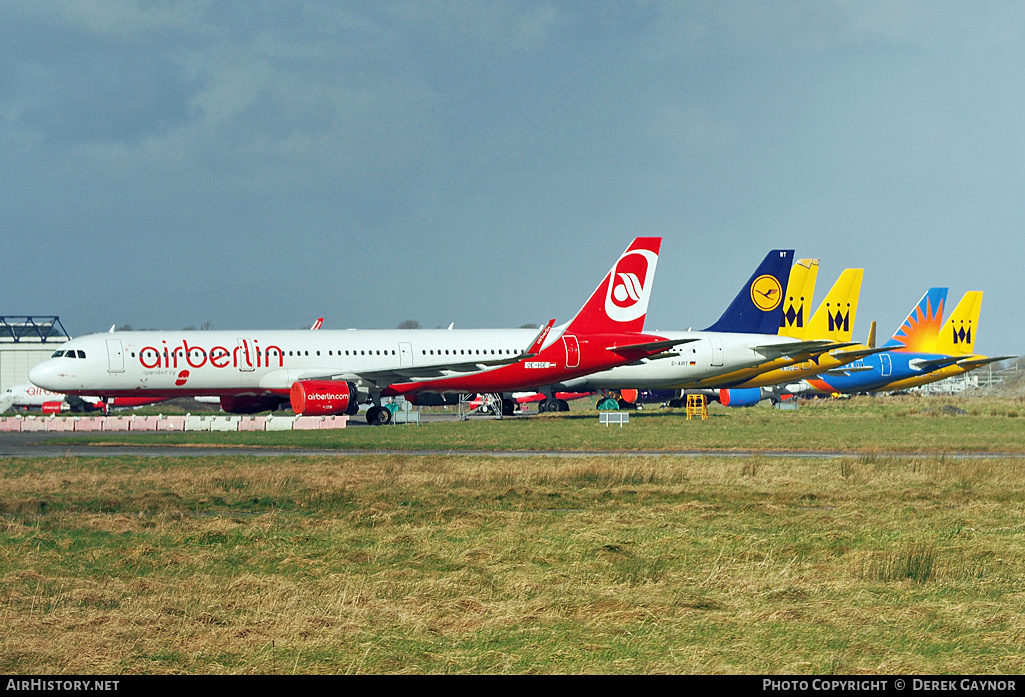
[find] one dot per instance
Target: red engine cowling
(322, 397)
(52, 407)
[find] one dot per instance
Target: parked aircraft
(28, 397)
(956, 338)
(909, 353)
(329, 371)
(744, 338)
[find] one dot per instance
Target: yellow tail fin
(834, 319)
(800, 291)
(957, 337)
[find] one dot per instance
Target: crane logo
(630, 285)
(766, 292)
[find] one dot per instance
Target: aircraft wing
(383, 378)
(393, 376)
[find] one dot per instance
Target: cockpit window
(81, 354)
(57, 354)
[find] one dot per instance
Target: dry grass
(481, 565)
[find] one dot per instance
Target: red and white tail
(620, 302)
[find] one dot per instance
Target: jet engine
(740, 398)
(249, 404)
(324, 397)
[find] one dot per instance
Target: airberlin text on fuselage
(246, 353)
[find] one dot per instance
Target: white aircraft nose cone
(42, 376)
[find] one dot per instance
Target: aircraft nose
(43, 375)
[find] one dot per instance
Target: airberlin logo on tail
(630, 285)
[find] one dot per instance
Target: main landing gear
(552, 404)
(378, 416)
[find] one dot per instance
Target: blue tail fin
(759, 305)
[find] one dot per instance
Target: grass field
(461, 564)
(893, 424)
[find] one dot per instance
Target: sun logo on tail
(919, 330)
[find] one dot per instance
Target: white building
(25, 341)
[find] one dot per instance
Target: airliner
(329, 372)
(740, 343)
(911, 352)
(28, 397)
(934, 356)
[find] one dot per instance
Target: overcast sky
(262, 164)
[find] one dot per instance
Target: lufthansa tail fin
(834, 318)
(620, 302)
(957, 337)
(759, 305)
(919, 330)
(800, 294)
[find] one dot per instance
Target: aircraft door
(572, 350)
(885, 364)
(405, 354)
(245, 356)
(717, 351)
(115, 356)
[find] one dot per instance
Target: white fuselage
(190, 363)
(28, 396)
(259, 362)
(695, 364)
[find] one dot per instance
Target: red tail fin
(620, 302)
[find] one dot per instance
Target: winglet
(871, 343)
(620, 301)
(539, 340)
(759, 304)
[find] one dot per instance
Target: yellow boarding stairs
(697, 404)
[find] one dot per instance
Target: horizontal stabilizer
(927, 365)
(847, 370)
(973, 362)
(812, 348)
(855, 354)
(650, 346)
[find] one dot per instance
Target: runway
(40, 444)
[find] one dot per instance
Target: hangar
(24, 341)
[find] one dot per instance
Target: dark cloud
(484, 162)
